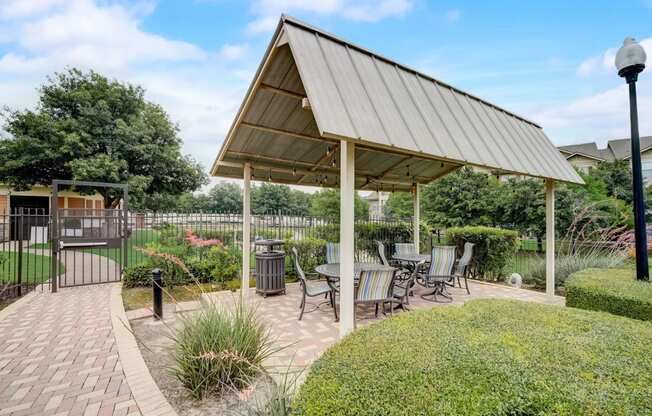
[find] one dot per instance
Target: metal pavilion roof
(313, 90)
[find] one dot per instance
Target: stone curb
(147, 395)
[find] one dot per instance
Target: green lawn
(138, 238)
(35, 268)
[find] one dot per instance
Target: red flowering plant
(199, 242)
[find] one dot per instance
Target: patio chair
(403, 274)
(405, 248)
(442, 260)
(462, 264)
(332, 253)
(381, 254)
(376, 286)
(311, 288)
(402, 290)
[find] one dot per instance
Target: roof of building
(622, 148)
(590, 150)
(408, 127)
(618, 149)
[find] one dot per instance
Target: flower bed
(487, 357)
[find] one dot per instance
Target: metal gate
(90, 244)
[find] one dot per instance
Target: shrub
(173, 274)
(312, 253)
(227, 237)
(220, 349)
(615, 291)
(487, 357)
(493, 248)
(273, 233)
(216, 264)
(170, 235)
(138, 275)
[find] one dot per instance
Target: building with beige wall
(37, 201)
(586, 156)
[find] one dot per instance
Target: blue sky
(550, 61)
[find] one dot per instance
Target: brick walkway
(58, 356)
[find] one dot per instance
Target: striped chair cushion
(442, 260)
(332, 252)
(405, 248)
(374, 285)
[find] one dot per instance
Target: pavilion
(323, 111)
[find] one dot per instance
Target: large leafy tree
(225, 197)
(399, 205)
(617, 179)
(87, 127)
(464, 197)
(326, 204)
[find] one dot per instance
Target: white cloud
(453, 15)
(201, 90)
(232, 52)
(268, 11)
(604, 64)
(604, 115)
(12, 9)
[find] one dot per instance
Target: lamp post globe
(630, 61)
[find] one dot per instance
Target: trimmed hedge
(488, 357)
(493, 248)
(610, 290)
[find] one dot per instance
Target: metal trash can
(270, 268)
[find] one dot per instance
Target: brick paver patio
(58, 356)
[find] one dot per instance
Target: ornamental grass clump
(221, 349)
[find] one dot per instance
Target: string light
(408, 170)
(294, 171)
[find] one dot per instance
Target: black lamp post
(630, 61)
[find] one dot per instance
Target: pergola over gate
(322, 111)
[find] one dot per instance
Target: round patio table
(332, 270)
(412, 259)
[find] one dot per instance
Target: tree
(464, 197)
(523, 207)
(300, 202)
(399, 205)
(86, 127)
(617, 178)
(268, 198)
(225, 197)
(326, 204)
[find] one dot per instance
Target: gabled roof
(622, 148)
(408, 127)
(589, 150)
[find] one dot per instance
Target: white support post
(246, 231)
(416, 217)
(347, 246)
(550, 237)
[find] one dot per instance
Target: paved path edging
(20, 302)
(147, 395)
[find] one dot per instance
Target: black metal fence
(150, 229)
(24, 253)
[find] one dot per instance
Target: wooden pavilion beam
(282, 91)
